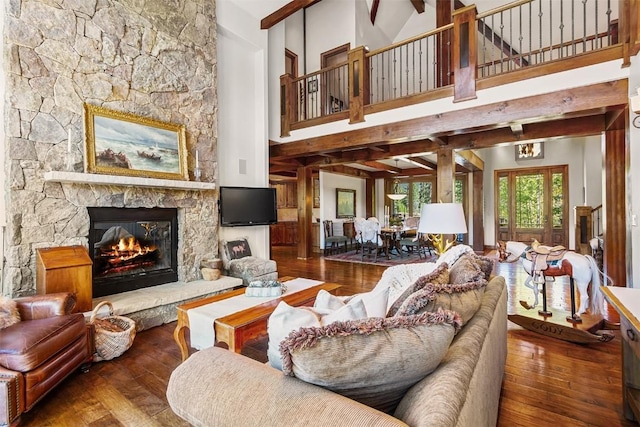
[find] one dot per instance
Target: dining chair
(331, 241)
(369, 238)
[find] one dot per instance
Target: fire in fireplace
(132, 248)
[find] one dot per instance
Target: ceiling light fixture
(396, 195)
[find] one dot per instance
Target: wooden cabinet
(284, 233)
(630, 332)
(286, 195)
(65, 269)
(315, 237)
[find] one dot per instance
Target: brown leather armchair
(41, 350)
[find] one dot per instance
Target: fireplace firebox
(132, 248)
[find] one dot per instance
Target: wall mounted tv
(246, 206)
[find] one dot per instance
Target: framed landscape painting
(345, 203)
(120, 143)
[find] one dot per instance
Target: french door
(532, 204)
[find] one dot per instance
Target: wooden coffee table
(242, 326)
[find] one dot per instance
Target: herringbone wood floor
(548, 382)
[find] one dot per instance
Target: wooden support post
(465, 53)
(370, 197)
(305, 211)
(478, 211)
(446, 175)
(615, 208)
(286, 102)
(357, 72)
(443, 17)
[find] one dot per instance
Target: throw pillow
(464, 299)
(327, 301)
(452, 255)
(237, 249)
(375, 301)
(286, 319)
(9, 313)
(485, 264)
(465, 270)
(373, 361)
(439, 275)
(282, 321)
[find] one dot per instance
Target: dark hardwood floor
(548, 382)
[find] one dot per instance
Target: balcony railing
(450, 60)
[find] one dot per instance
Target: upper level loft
(475, 51)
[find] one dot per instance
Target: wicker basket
(113, 334)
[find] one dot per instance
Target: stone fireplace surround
(197, 235)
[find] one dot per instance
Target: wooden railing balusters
(447, 60)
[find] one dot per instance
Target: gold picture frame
(119, 143)
(345, 203)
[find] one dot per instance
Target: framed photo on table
(119, 143)
(345, 203)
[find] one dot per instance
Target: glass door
(530, 204)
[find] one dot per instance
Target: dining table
(391, 236)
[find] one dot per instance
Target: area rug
(352, 256)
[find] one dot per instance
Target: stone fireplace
(132, 248)
(154, 60)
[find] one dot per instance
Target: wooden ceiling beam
(573, 127)
(284, 12)
(418, 5)
(382, 166)
(616, 120)
(469, 160)
(374, 11)
(425, 164)
(547, 107)
(348, 170)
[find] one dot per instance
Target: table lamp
(439, 219)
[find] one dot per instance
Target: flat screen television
(246, 206)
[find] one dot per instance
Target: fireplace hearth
(132, 248)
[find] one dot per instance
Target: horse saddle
(541, 256)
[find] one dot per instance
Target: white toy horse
(580, 268)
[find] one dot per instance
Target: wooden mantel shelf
(128, 181)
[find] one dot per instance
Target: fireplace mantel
(127, 181)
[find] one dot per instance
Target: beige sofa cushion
(466, 269)
(439, 275)
(465, 299)
(286, 318)
(373, 361)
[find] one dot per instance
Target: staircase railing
(450, 60)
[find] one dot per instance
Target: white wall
(330, 23)
(329, 182)
(418, 23)
(243, 156)
(293, 38)
(367, 34)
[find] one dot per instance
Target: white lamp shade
(442, 218)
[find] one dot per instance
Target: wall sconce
(634, 103)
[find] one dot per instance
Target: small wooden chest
(65, 269)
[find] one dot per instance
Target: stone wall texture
(152, 58)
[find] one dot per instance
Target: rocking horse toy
(541, 262)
